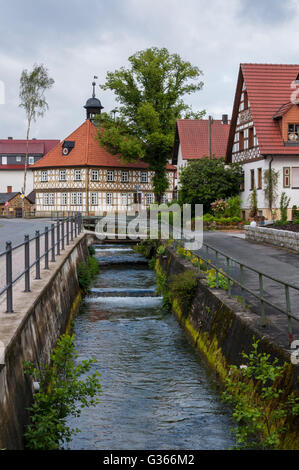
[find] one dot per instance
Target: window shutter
(286, 176)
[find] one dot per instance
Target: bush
(284, 203)
(86, 272)
(234, 207)
(222, 280)
(62, 393)
(92, 250)
(182, 287)
(161, 250)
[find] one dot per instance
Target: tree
(271, 181)
(32, 89)
(204, 181)
(150, 94)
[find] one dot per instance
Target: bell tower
(93, 105)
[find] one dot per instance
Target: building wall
(15, 178)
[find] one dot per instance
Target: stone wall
(272, 236)
(30, 335)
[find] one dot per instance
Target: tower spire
(93, 105)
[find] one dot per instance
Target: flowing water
(157, 393)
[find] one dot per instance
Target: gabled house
(192, 141)
(264, 133)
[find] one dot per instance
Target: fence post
(288, 304)
(37, 255)
(217, 274)
(62, 235)
(67, 230)
(46, 248)
(53, 243)
(75, 225)
(72, 228)
(58, 238)
(242, 282)
(9, 308)
(228, 272)
(27, 263)
(261, 300)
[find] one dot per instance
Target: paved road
(276, 262)
(14, 229)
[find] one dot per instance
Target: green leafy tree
(150, 93)
(33, 85)
(62, 393)
(205, 181)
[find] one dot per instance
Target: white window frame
(78, 175)
(62, 172)
(64, 199)
(94, 199)
(124, 176)
(51, 199)
(44, 176)
(4, 160)
(30, 160)
(46, 199)
(110, 176)
(109, 199)
(124, 199)
(94, 175)
(18, 158)
(144, 177)
(149, 199)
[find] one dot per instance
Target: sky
(78, 39)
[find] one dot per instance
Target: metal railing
(60, 233)
(260, 296)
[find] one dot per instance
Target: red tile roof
(269, 88)
(193, 137)
(17, 146)
(87, 152)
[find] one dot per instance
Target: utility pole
(210, 137)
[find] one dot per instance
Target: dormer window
(293, 132)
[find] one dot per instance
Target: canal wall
(30, 334)
(221, 329)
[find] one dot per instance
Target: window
(242, 185)
(46, 199)
(143, 177)
(149, 199)
(77, 175)
(241, 142)
(94, 175)
(124, 176)
(295, 177)
(44, 175)
(62, 175)
(49, 199)
(124, 199)
(286, 177)
(63, 199)
(293, 132)
(110, 175)
(259, 178)
(4, 160)
(109, 199)
(18, 158)
(94, 199)
(76, 199)
(30, 160)
(251, 179)
(251, 137)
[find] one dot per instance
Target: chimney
(224, 118)
(9, 138)
(9, 189)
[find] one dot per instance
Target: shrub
(219, 207)
(91, 250)
(233, 207)
(296, 221)
(151, 263)
(182, 287)
(212, 281)
(161, 250)
(62, 393)
(86, 272)
(284, 204)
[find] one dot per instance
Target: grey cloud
(267, 11)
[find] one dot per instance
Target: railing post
(75, 225)
(261, 299)
(53, 243)
(37, 255)
(217, 274)
(27, 263)
(9, 307)
(58, 238)
(228, 272)
(46, 248)
(288, 305)
(67, 230)
(62, 235)
(242, 282)
(72, 228)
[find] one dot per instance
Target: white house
(264, 133)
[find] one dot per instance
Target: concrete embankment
(31, 332)
(221, 329)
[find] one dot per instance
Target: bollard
(27, 263)
(9, 308)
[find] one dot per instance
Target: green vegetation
(61, 394)
(182, 287)
(147, 248)
(161, 250)
(253, 204)
(270, 185)
(204, 181)
(162, 287)
(223, 281)
(87, 272)
(252, 389)
(150, 92)
(284, 204)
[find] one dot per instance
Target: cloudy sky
(77, 39)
